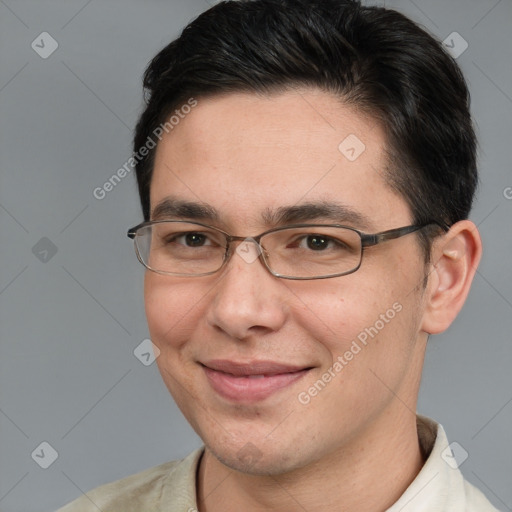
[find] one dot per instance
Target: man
(305, 230)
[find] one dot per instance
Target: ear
(455, 257)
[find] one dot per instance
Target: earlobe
(455, 257)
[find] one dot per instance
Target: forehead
(245, 154)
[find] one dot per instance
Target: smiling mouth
(251, 382)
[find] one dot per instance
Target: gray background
(70, 321)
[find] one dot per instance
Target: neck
(371, 475)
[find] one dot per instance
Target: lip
(250, 382)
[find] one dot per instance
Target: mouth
(251, 382)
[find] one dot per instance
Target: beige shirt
(171, 487)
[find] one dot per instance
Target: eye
(191, 239)
(196, 239)
(317, 242)
(320, 243)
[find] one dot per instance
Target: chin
(251, 460)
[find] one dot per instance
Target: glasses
(299, 251)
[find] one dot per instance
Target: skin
(355, 443)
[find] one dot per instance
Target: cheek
(339, 309)
(173, 308)
(371, 321)
(367, 335)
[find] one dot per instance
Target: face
(277, 374)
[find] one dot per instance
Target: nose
(249, 300)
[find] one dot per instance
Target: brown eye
(317, 242)
(195, 239)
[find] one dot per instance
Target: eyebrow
(177, 208)
(171, 208)
(305, 212)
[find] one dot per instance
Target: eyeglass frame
(367, 240)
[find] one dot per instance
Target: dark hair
(372, 58)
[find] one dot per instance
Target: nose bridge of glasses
(248, 248)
